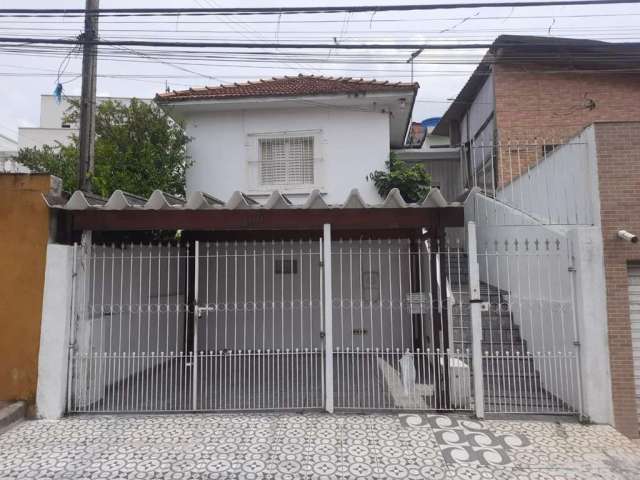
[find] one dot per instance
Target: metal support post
(328, 318)
(476, 319)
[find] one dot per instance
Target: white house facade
(294, 135)
(283, 281)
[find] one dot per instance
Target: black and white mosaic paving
(313, 446)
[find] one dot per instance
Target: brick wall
(618, 150)
(556, 106)
(534, 107)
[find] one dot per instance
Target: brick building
(529, 96)
(536, 93)
(618, 156)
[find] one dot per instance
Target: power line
(315, 46)
(303, 10)
(145, 43)
(135, 21)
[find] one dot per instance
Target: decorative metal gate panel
(130, 331)
(258, 326)
(393, 303)
(201, 326)
(402, 324)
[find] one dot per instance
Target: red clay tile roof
(287, 86)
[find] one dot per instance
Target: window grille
(286, 161)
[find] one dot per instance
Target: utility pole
(88, 94)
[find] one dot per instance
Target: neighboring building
(53, 128)
(549, 127)
(439, 160)
(541, 91)
(8, 150)
(292, 134)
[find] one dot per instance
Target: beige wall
(24, 232)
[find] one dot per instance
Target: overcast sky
(25, 77)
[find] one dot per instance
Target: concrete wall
(53, 364)
(618, 153)
(351, 144)
(591, 316)
(24, 232)
(51, 130)
(560, 188)
(38, 137)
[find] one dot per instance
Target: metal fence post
(328, 318)
(475, 303)
(196, 315)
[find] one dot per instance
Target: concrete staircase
(511, 381)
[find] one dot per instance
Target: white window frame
(254, 161)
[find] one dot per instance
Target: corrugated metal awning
(241, 212)
(159, 200)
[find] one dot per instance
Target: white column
(591, 323)
(476, 319)
(53, 357)
(328, 319)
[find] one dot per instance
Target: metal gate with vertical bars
(380, 324)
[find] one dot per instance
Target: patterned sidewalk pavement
(313, 446)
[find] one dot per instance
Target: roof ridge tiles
(287, 85)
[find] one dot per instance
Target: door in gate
(257, 326)
(390, 325)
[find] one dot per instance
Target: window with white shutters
(286, 161)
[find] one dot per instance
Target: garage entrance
(243, 325)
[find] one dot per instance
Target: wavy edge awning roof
(202, 211)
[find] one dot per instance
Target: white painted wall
(561, 188)
(591, 310)
(52, 111)
(353, 143)
(7, 144)
(37, 137)
(51, 131)
(54, 332)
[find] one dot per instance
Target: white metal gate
(199, 326)
(393, 302)
(400, 324)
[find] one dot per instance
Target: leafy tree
(138, 149)
(412, 180)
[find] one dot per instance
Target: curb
(11, 414)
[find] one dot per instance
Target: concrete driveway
(310, 446)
